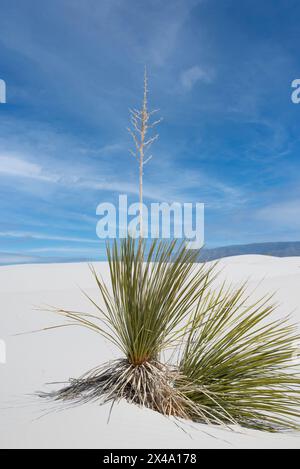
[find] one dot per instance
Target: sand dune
(38, 358)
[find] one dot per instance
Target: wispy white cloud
(55, 255)
(14, 165)
(196, 74)
(169, 186)
(41, 236)
(19, 166)
(17, 258)
(108, 149)
(67, 249)
(285, 214)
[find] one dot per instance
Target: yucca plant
(235, 362)
(146, 307)
(238, 363)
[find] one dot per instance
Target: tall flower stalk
(141, 125)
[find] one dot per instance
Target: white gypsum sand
(60, 354)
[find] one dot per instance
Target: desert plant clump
(152, 295)
(233, 366)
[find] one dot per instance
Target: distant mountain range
(277, 249)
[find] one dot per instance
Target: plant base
(149, 385)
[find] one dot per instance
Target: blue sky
(219, 70)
